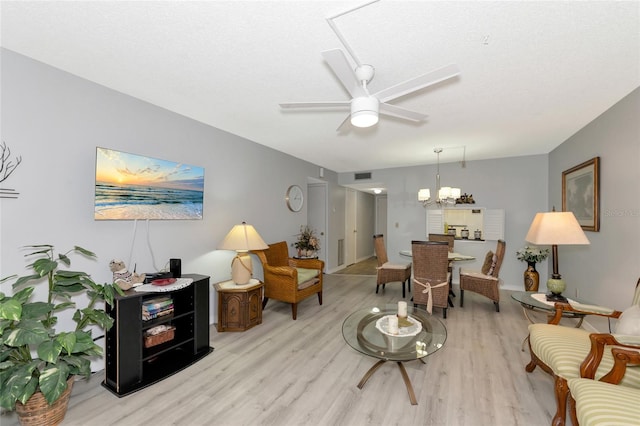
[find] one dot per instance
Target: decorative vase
(531, 277)
(37, 412)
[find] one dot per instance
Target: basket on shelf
(158, 335)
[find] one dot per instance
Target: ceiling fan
(365, 106)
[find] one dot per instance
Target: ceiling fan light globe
(364, 119)
(364, 111)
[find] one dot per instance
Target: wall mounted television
(130, 186)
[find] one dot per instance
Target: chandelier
(446, 194)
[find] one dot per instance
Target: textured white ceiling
(532, 73)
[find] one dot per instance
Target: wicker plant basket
(157, 339)
(37, 412)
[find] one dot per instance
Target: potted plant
(308, 244)
(531, 255)
(37, 360)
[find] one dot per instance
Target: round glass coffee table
(366, 331)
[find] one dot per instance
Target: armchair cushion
(564, 349)
(599, 403)
(305, 274)
(629, 322)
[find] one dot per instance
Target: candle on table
(393, 324)
(402, 309)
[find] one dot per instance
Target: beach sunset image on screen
(130, 186)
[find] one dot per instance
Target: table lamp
(242, 238)
(554, 229)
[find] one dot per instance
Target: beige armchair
(570, 353)
(287, 279)
(602, 402)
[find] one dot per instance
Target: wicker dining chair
(431, 274)
(388, 272)
(450, 240)
(484, 284)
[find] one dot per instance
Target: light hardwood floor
(286, 372)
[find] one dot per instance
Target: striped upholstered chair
(569, 353)
(602, 402)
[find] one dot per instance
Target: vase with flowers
(531, 255)
(307, 244)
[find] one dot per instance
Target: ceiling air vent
(361, 176)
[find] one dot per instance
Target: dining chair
(450, 240)
(431, 275)
(388, 272)
(486, 284)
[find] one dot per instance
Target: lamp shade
(243, 237)
(556, 228)
(424, 194)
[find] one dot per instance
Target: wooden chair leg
(320, 297)
(497, 306)
(264, 302)
(461, 297)
(403, 293)
(294, 310)
(444, 313)
(572, 411)
(377, 288)
(562, 392)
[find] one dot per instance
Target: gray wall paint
(518, 185)
(606, 271)
(55, 120)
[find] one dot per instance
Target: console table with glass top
(360, 332)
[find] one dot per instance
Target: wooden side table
(239, 306)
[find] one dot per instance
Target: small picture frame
(581, 193)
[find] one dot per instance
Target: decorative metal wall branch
(7, 167)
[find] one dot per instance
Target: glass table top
(360, 332)
(526, 299)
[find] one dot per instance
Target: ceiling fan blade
(396, 111)
(418, 83)
(321, 104)
(344, 126)
(343, 70)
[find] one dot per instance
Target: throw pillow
(488, 259)
(629, 322)
(494, 261)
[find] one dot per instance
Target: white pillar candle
(402, 309)
(393, 324)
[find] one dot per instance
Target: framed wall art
(130, 186)
(581, 193)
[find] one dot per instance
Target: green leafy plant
(34, 355)
(532, 254)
